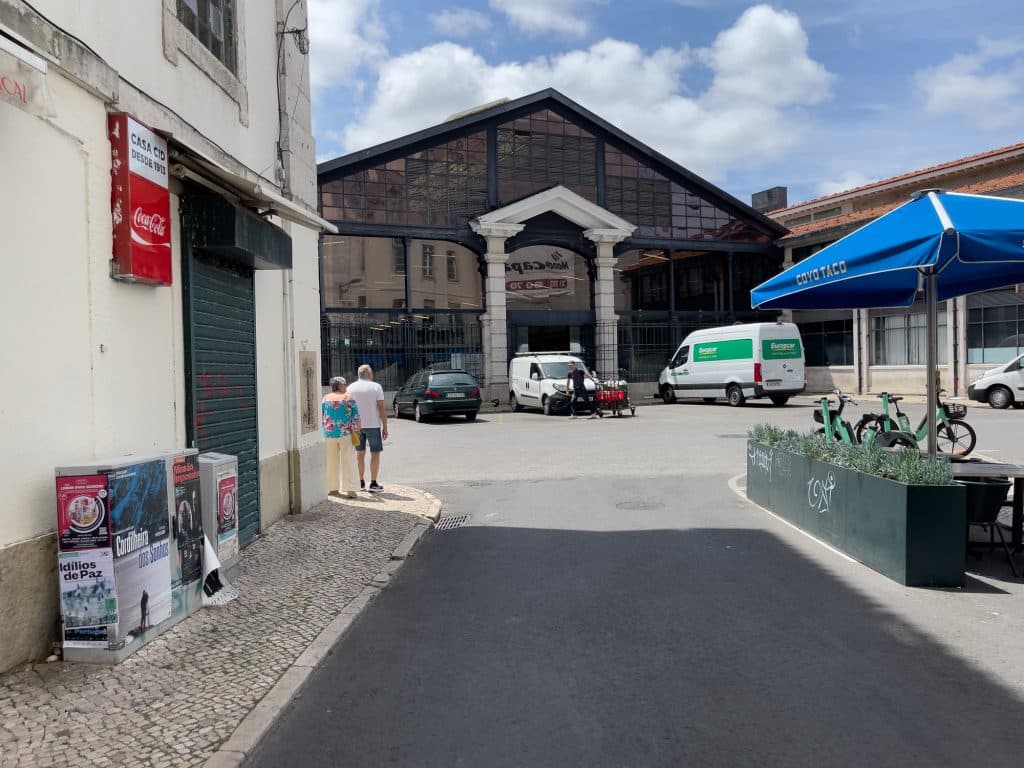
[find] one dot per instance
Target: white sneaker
(572, 416)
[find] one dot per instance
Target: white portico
(603, 228)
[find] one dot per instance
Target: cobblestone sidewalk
(178, 698)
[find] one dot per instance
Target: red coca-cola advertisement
(140, 204)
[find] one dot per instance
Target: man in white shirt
(373, 420)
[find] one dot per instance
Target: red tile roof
(992, 153)
(834, 222)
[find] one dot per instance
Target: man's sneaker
(362, 484)
(375, 487)
(572, 416)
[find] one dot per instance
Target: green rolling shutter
(222, 328)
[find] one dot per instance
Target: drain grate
(640, 505)
(449, 523)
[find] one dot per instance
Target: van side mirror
(534, 376)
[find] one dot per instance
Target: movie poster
(186, 522)
(82, 521)
(227, 515)
(88, 599)
(140, 522)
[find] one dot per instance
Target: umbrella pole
(931, 282)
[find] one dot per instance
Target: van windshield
(560, 370)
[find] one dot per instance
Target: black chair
(985, 498)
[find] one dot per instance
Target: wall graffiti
(819, 493)
(761, 458)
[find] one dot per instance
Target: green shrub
(905, 466)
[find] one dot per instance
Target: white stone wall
(95, 367)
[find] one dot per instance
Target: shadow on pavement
(704, 647)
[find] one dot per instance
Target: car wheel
(780, 399)
(1000, 397)
(394, 409)
(471, 416)
(545, 405)
(735, 396)
(514, 403)
(420, 418)
(709, 400)
(668, 394)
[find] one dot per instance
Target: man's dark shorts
(370, 435)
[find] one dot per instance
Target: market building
(528, 225)
(877, 350)
(157, 205)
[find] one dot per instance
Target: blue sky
(817, 96)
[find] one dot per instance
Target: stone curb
(261, 718)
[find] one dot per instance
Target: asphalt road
(611, 602)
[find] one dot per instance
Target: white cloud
(460, 22)
(847, 181)
(542, 16)
(983, 87)
(344, 35)
(761, 77)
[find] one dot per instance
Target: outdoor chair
(985, 499)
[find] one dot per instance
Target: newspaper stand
(219, 479)
(114, 554)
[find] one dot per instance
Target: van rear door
(782, 358)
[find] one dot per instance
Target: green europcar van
(433, 392)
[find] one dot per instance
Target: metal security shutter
(222, 348)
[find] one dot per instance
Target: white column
(606, 336)
(494, 325)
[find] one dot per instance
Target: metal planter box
(914, 534)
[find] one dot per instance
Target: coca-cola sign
(139, 202)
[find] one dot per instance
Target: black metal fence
(398, 344)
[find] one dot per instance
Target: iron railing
(398, 344)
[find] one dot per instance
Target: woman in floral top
(340, 418)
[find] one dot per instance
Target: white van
(737, 362)
(1000, 387)
(538, 381)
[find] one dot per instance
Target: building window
(361, 302)
(902, 339)
(453, 267)
(829, 342)
(427, 261)
(398, 304)
(995, 327)
(398, 256)
(213, 22)
(428, 304)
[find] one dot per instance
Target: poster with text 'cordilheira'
(140, 520)
(88, 599)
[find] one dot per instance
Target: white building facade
(223, 354)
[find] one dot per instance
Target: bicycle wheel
(864, 427)
(957, 438)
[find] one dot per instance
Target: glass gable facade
(440, 187)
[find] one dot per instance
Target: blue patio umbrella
(946, 243)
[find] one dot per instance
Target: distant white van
(737, 362)
(538, 381)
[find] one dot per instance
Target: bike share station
(943, 245)
(138, 545)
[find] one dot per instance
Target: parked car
(737, 362)
(538, 381)
(436, 392)
(1000, 387)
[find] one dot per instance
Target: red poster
(83, 521)
(227, 511)
(139, 202)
